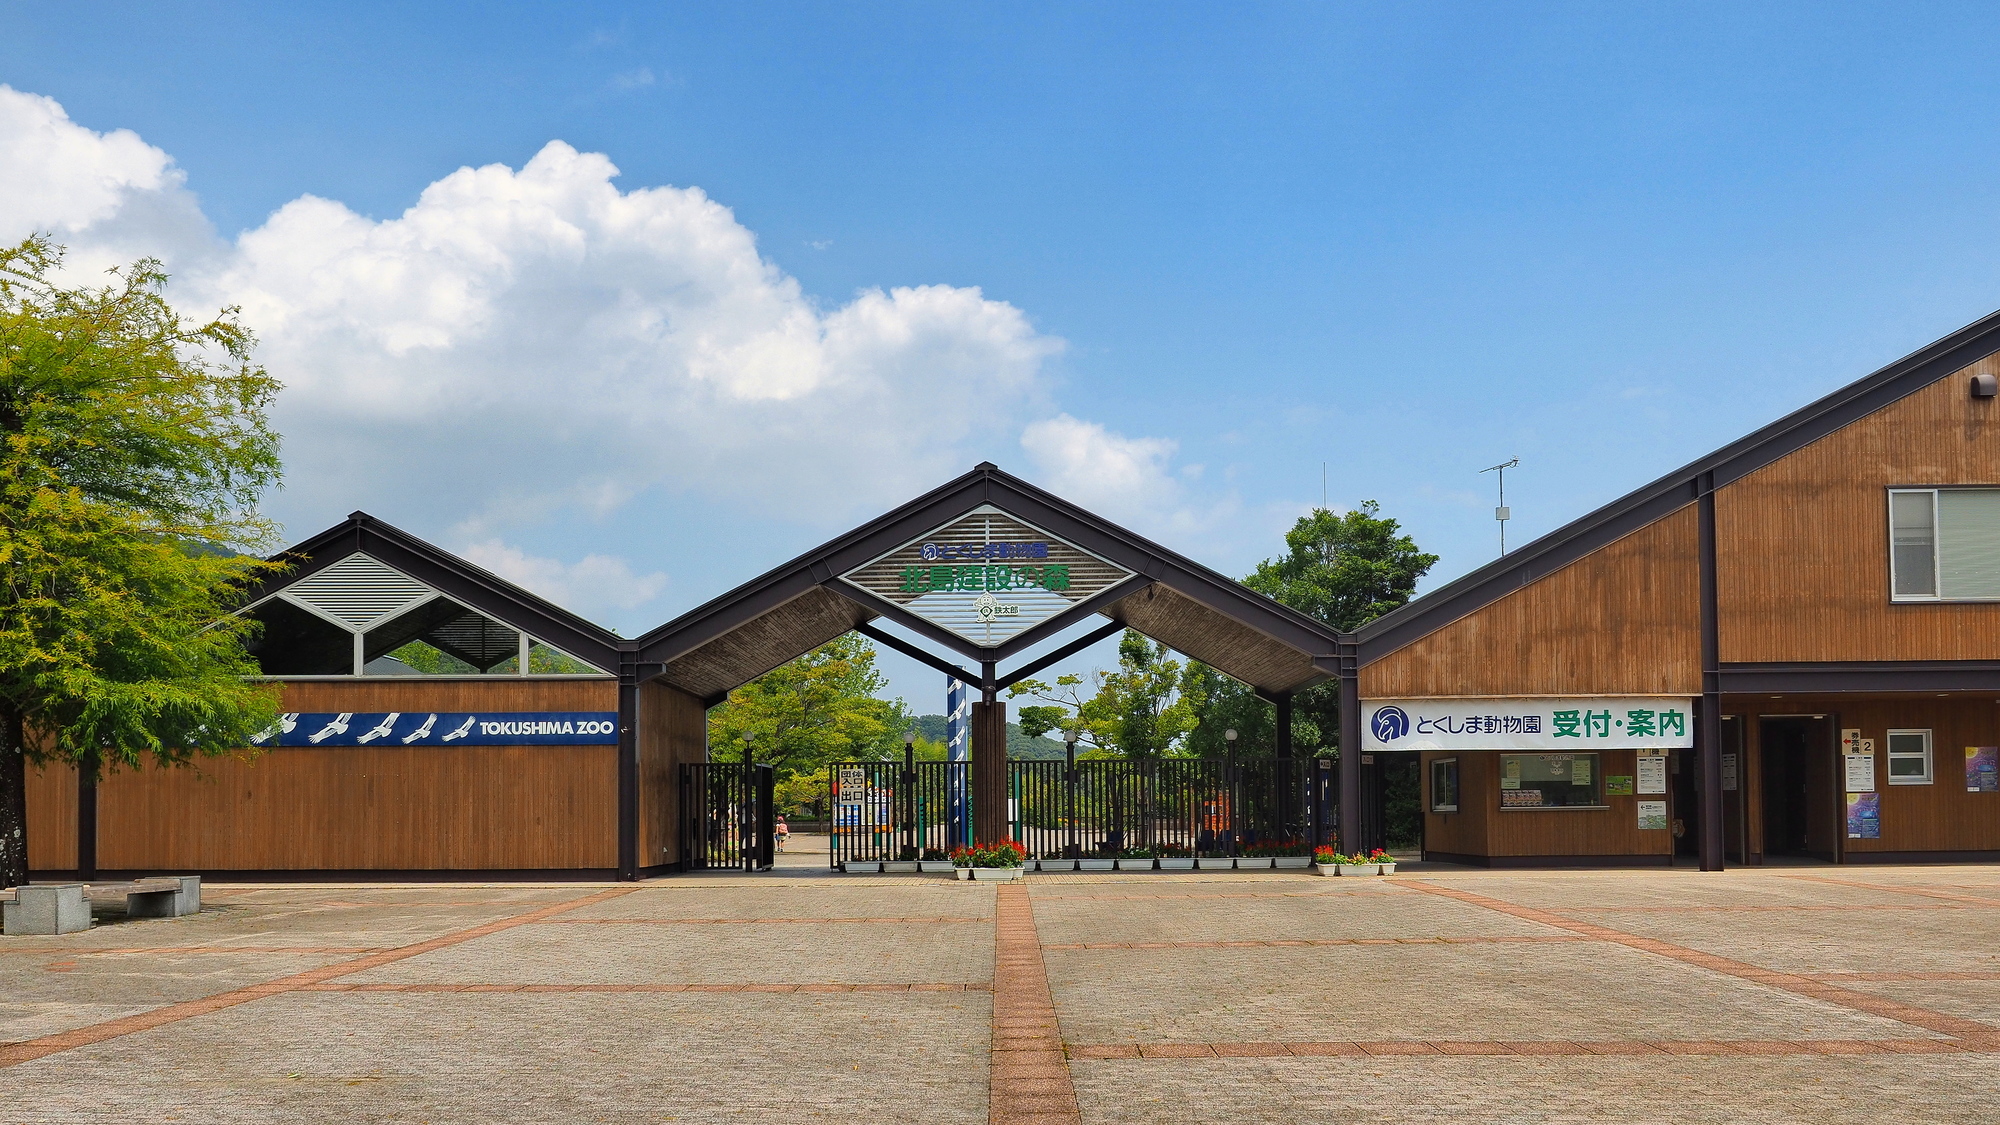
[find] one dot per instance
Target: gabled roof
(761, 624)
(1683, 486)
(456, 578)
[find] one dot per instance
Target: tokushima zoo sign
(1625, 722)
(986, 576)
(444, 728)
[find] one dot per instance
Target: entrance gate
(726, 820)
(1092, 808)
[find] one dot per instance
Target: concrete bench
(64, 908)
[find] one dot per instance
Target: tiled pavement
(1780, 995)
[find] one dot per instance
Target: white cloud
(591, 586)
(526, 341)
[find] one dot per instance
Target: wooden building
(1820, 598)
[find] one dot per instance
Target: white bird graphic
(422, 731)
(464, 729)
(382, 728)
(337, 726)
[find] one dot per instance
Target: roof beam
(917, 654)
(1063, 653)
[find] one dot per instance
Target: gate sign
(986, 576)
(1605, 722)
(442, 728)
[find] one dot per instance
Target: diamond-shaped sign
(986, 576)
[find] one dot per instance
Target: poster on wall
(1652, 816)
(1652, 773)
(1729, 773)
(1864, 816)
(1860, 769)
(1982, 769)
(1618, 785)
(1633, 722)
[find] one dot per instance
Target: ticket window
(1551, 781)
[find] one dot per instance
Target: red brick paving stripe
(1045, 896)
(1926, 892)
(302, 949)
(1899, 976)
(349, 986)
(13, 1054)
(1029, 1071)
(1296, 942)
(1530, 1048)
(742, 921)
(1786, 982)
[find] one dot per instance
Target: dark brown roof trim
(1799, 678)
(458, 579)
(1636, 509)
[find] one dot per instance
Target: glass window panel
(1968, 543)
(1909, 757)
(1550, 781)
(548, 660)
(1444, 785)
(298, 642)
(1912, 545)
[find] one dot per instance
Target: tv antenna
(1501, 513)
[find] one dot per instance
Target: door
(1798, 784)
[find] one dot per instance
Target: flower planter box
(862, 867)
(1360, 869)
(994, 874)
(1253, 863)
(899, 867)
(1387, 868)
(1326, 869)
(1214, 863)
(1292, 862)
(935, 866)
(1136, 864)
(1170, 863)
(1055, 865)
(1096, 865)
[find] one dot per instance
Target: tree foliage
(817, 709)
(133, 451)
(1145, 709)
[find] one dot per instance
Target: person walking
(782, 831)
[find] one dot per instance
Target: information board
(1652, 773)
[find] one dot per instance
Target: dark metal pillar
(86, 818)
(628, 771)
(1284, 739)
(1350, 761)
(1708, 713)
(989, 762)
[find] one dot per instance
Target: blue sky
(1213, 247)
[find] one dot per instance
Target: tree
(1146, 709)
(133, 451)
(811, 711)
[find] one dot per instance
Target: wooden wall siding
(411, 693)
(1939, 817)
(1802, 556)
(366, 808)
(673, 728)
(1622, 620)
(1465, 832)
(52, 817)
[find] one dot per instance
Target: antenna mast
(1501, 513)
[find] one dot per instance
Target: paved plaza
(1791, 994)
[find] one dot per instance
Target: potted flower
(1326, 861)
(1358, 864)
(1002, 859)
(1385, 864)
(1292, 854)
(1255, 857)
(1055, 861)
(1173, 857)
(905, 862)
(1097, 863)
(862, 866)
(1135, 859)
(936, 862)
(1214, 861)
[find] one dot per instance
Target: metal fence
(1095, 807)
(726, 820)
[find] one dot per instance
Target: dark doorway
(1684, 767)
(1797, 753)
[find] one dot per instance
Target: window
(1909, 757)
(1550, 781)
(1944, 544)
(1444, 785)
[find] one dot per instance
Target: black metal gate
(1095, 807)
(726, 817)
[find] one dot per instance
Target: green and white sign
(986, 576)
(1602, 722)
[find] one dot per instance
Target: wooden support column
(86, 819)
(989, 772)
(1708, 713)
(1350, 762)
(628, 771)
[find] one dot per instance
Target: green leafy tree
(133, 447)
(1145, 709)
(817, 709)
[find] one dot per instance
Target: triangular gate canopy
(987, 567)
